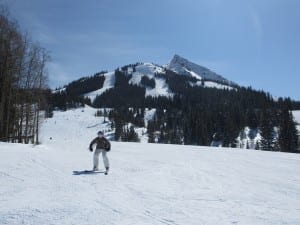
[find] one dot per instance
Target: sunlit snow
(148, 184)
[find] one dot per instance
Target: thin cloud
(58, 75)
(257, 26)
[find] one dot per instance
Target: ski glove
(107, 148)
(91, 149)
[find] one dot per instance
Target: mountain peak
(177, 57)
(183, 66)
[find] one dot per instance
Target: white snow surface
(148, 184)
(211, 84)
(296, 115)
(161, 89)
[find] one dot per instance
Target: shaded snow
(149, 68)
(147, 184)
(183, 66)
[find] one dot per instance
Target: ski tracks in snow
(148, 184)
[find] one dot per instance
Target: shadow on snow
(86, 172)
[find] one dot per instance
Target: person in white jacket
(102, 146)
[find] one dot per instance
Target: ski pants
(104, 156)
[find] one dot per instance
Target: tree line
(72, 95)
(23, 82)
(201, 126)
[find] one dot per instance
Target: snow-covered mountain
(157, 73)
(148, 184)
(183, 66)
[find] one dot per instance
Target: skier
(102, 146)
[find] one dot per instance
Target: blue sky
(253, 43)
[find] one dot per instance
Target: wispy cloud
(58, 75)
(81, 54)
(257, 27)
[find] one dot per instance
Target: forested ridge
(196, 115)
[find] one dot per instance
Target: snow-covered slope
(148, 69)
(148, 183)
(183, 66)
(109, 82)
(145, 69)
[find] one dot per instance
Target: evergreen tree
(267, 131)
(147, 82)
(257, 147)
(150, 131)
(252, 119)
(288, 136)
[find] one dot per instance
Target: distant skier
(102, 146)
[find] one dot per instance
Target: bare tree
(23, 78)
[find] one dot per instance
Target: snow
(183, 66)
(58, 90)
(149, 70)
(147, 184)
(109, 83)
(296, 115)
(211, 84)
(193, 74)
(161, 89)
(248, 138)
(149, 115)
